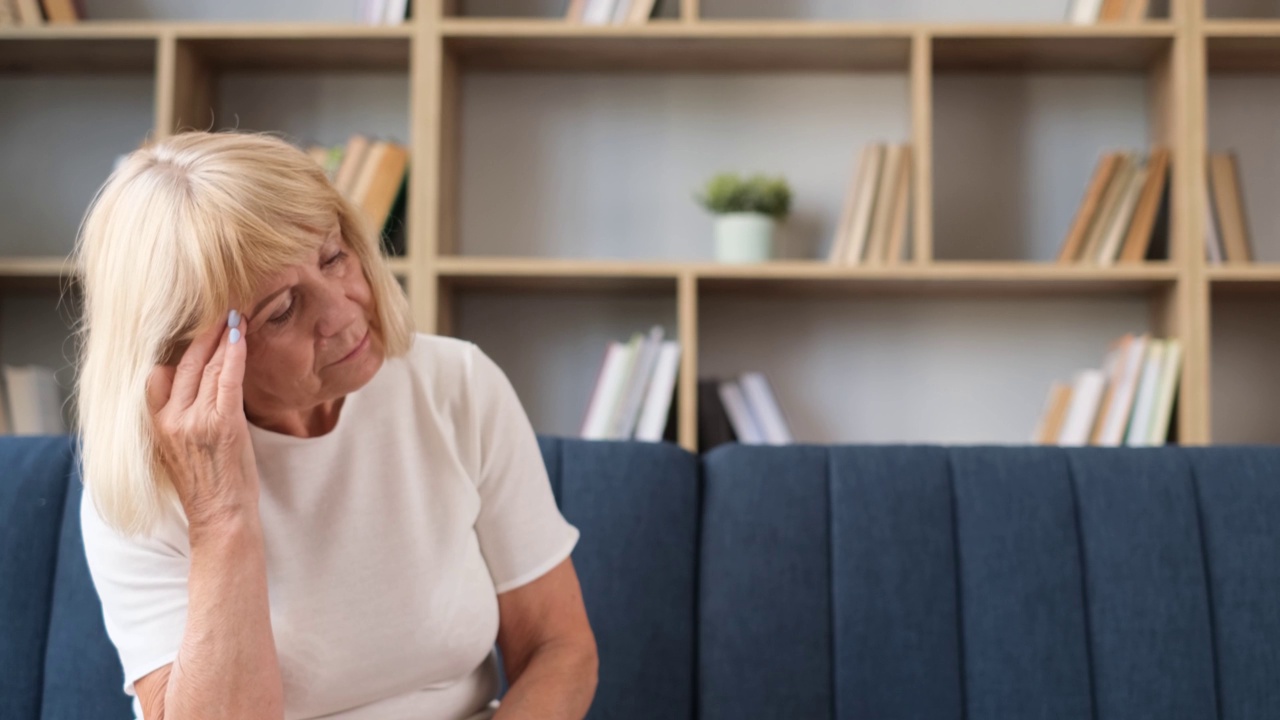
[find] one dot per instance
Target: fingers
(207, 395)
(231, 380)
(186, 380)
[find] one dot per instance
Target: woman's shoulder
(439, 355)
(441, 364)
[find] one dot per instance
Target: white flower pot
(744, 237)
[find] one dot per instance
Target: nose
(337, 313)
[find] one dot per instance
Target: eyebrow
(266, 300)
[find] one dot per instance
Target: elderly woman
(296, 506)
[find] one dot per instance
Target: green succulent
(727, 193)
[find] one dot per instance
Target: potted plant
(747, 211)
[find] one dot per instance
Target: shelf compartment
(119, 49)
(512, 274)
(672, 46)
(1242, 47)
(1051, 47)
(319, 47)
(1256, 278)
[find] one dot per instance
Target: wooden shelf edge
(556, 28)
(1241, 28)
(151, 30)
(499, 269)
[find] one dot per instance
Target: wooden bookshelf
(438, 49)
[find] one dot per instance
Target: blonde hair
(180, 227)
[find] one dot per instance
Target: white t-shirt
(387, 542)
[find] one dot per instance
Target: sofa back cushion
(83, 676)
(899, 582)
(636, 507)
(33, 486)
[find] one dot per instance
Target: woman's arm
(548, 649)
(226, 667)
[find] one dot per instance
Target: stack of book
(373, 174)
(1118, 217)
(29, 401)
(632, 399)
(1088, 12)
(1226, 237)
(873, 227)
(743, 409)
(36, 12)
(1127, 402)
(382, 12)
(611, 12)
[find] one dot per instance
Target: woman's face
(312, 337)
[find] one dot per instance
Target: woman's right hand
(202, 434)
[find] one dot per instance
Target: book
(745, 425)
(1103, 174)
(34, 399)
(352, 158)
(1144, 403)
(1116, 422)
(396, 12)
(764, 408)
(1151, 206)
(1112, 10)
(384, 173)
(860, 226)
(1166, 391)
(632, 357)
(1109, 251)
(1224, 170)
(1213, 249)
(29, 13)
(882, 217)
(1053, 415)
(1111, 369)
(898, 229)
(1109, 209)
(576, 10)
(638, 385)
(641, 11)
(61, 11)
(595, 426)
(599, 12)
(658, 403)
(1137, 10)
(714, 427)
(1084, 12)
(1086, 394)
(844, 226)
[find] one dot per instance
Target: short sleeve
(142, 583)
(521, 531)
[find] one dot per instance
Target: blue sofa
(820, 582)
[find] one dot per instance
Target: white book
(1162, 416)
(653, 420)
(764, 408)
(599, 410)
(1121, 409)
(620, 12)
(598, 12)
(1086, 395)
(374, 11)
(735, 406)
(34, 400)
(1084, 12)
(638, 387)
(1144, 406)
(395, 12)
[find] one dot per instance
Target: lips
(355, 349)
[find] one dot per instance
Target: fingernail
(235, 336)
(233, 320)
